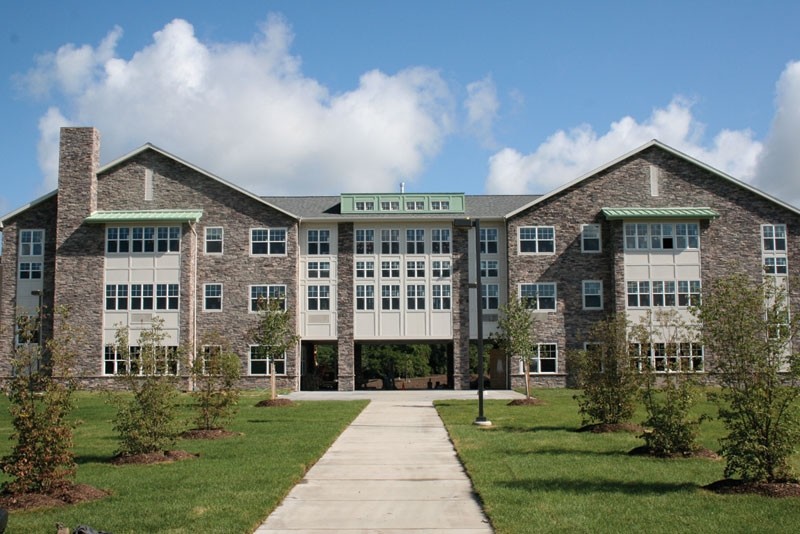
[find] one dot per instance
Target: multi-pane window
(415, 294)
(143, 239)
(440, 294)
(31, 242)
(415, 205)
(544, 359)
(537, 239)
(662, 236)
(118, 240)
(362, 205)
(663, 293)
(365, 269)
(390, 205)
(415, 241)
(390, 269)
(390, 297)
(390, 241)
(168, 239)
(688, 292)
(261, 295)
(488, 240)
(116, 296)
(490, 296)
(207, 354)
(440, 205)
(319, 242)
(590, 238)
(638, 294)
(415, 269)
(440, 241)
(142, 297)
(30, 270)
(260, 362)
(214, 240)
(268, 241)
(490, 269)
(319, 269)
(365, 241)
(319, 297)
(167, 296)
(772, 265)
(538, 296)
(365, 297)
(117, 362)
(212, 297)
(773, 249)
(664, 357)
(441, 269)
(592, 295)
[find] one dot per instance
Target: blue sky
(301, 97)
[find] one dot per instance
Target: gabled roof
(29, 205)
(667, 148)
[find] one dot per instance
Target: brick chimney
(78, 161)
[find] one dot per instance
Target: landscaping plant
(274, 335)
(516, 335)
(216, 374)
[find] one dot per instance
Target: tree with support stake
(274, 336)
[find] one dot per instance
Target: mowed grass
(231, 487)
(535, 473)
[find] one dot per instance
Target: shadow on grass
(93, 459)
(598, 486)
(542, 428)
(564, 452)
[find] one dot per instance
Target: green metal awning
(132, 216)
(613, 214)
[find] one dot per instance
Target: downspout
(193, 227)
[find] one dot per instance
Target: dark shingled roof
(327, 207)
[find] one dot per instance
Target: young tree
(605, 373)
(147, 422)
(516, 335)
(40, 393)
(748, 329)
(274, 335)
(216, 374)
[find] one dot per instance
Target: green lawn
(535, 473)
(230, 488)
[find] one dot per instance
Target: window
(116, 362)
(544, 359)
(490, 296)
(362, 205)
(663, 293)
(30, 270)
(31, 243)
(143, 239)
(319, 297)
(662, 236)
(636, 236)
(590, 238)
(416, 296)
(390, 297)
(267, 241)
(488, 240)
(440, 241)
(141, 296)
(415, 269)
(664, 357)
(539, 296)
(365, 269)
(415, 241)
(415, 205)
(214, 240)
(774, 237)
(365, 241)
(168, 239)
(638, 294)
(392, 205)
(688, 292)
(261, 295)
(319, 269)
(441, 269)
(440, 205)
(390, 269)
(207, 353)
(116, 296)
(390, 241)
(537, 239)
(117, 240)
(260, 362)
(167, 297)
(441, 296)
(212, 297)
(489, 269)
(772, 265)
(592, 295)
(319, 242)
(365, 297)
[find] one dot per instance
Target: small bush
(670, 429)
(216, 373)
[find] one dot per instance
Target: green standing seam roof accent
(613, 214)
(144, 216)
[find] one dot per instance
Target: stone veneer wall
(731, 243)
(345, 293)
(460, 303)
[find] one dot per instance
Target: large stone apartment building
(151, 235)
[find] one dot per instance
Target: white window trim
(221, 300)
(268, 360)
(599, 239)
(539, 360)
(584, 295)
(268, 286)
(221, 241)
(537, 309)
(285, 242)
(536, 229)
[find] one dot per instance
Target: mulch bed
(274, 403)
(159, 457)
(213, 433)
(700, 452)
(533, 401)
(730, 486)
(603, 428)
(63, 496)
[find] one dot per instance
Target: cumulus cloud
(566, 155)
(246, 111)
(481, 106)
(779, 166)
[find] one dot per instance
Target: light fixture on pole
(466, 224)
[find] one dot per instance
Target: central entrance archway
(404, 366)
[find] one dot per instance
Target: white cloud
(566, 155)
(779, 167)
(246, 111)
(482, 105)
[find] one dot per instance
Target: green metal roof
(130, 216)
(612, 214)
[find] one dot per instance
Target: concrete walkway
(392, 470)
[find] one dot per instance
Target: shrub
(216, 374)
(670, 429)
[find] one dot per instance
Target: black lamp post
(465, 224)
